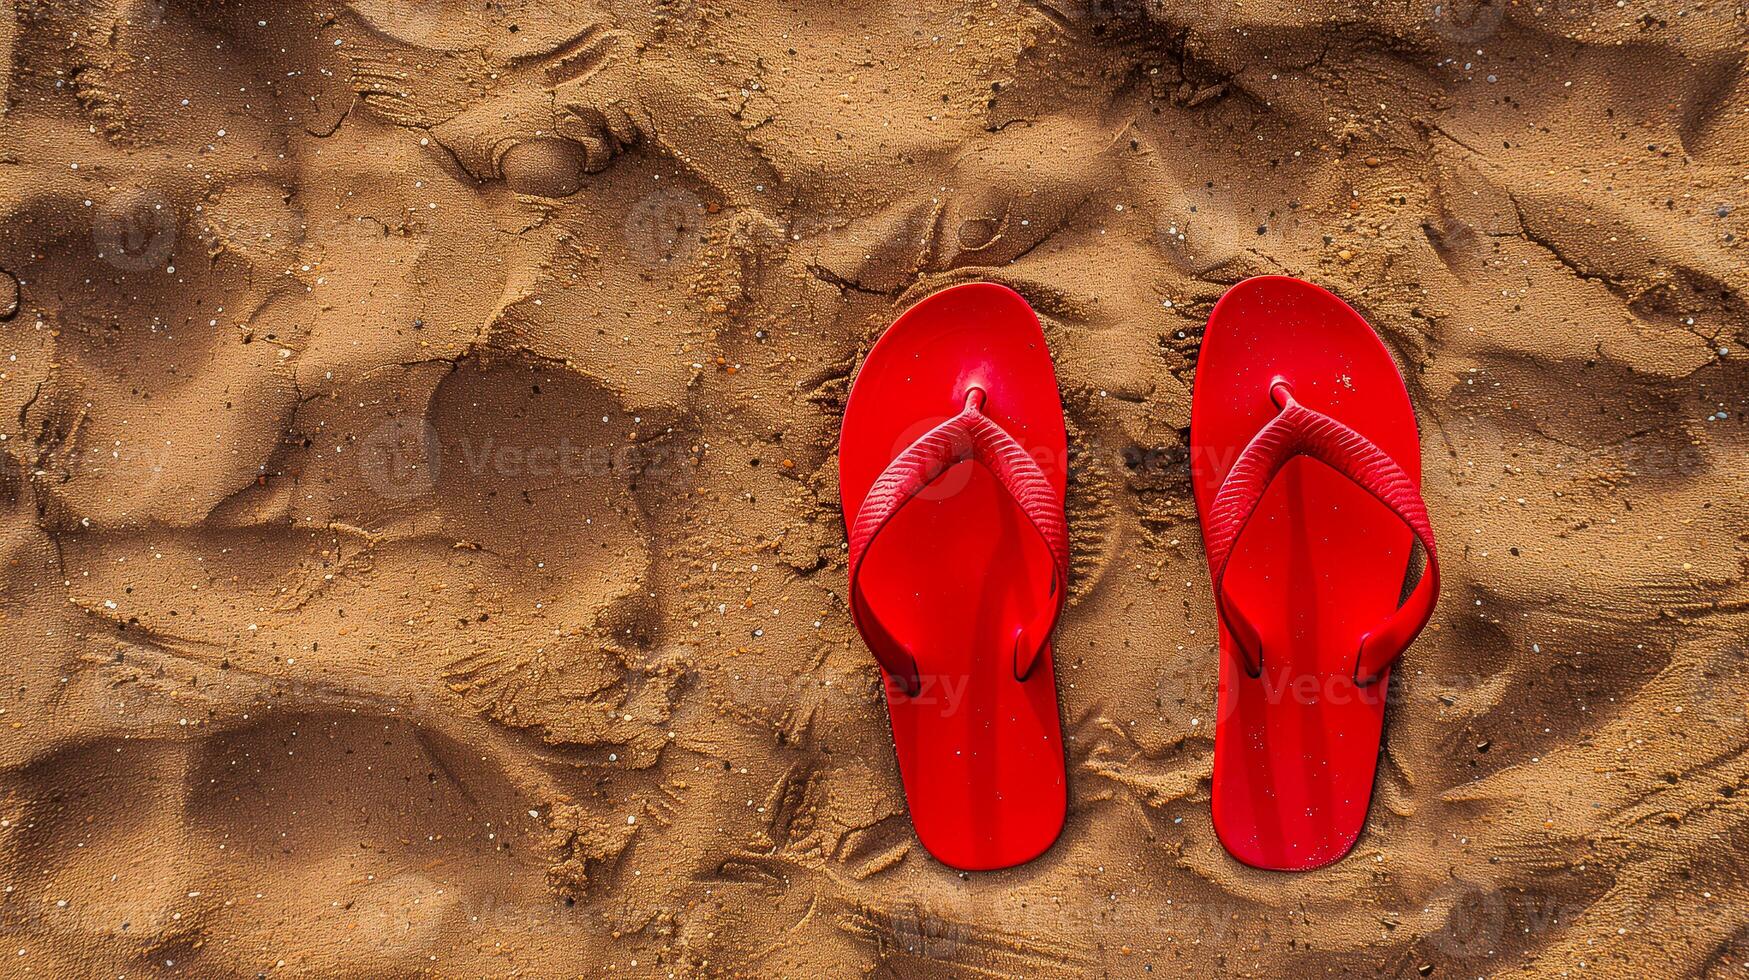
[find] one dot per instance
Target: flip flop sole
(954, 573)
(1320, 563)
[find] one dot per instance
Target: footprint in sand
(566, 98)
(363, 825)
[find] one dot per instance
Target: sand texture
(422, 552)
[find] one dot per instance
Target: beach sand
(422, 552)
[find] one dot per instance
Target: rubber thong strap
(970, 435)
(1300, 431)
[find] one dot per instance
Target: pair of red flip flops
(958, 572)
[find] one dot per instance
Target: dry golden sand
(422, 548)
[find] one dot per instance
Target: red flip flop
(952, 469)
(1306, 463)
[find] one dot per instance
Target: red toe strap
(1301, 431)
(970, 435)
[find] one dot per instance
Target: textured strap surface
(1301, 431)
(970, 435)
